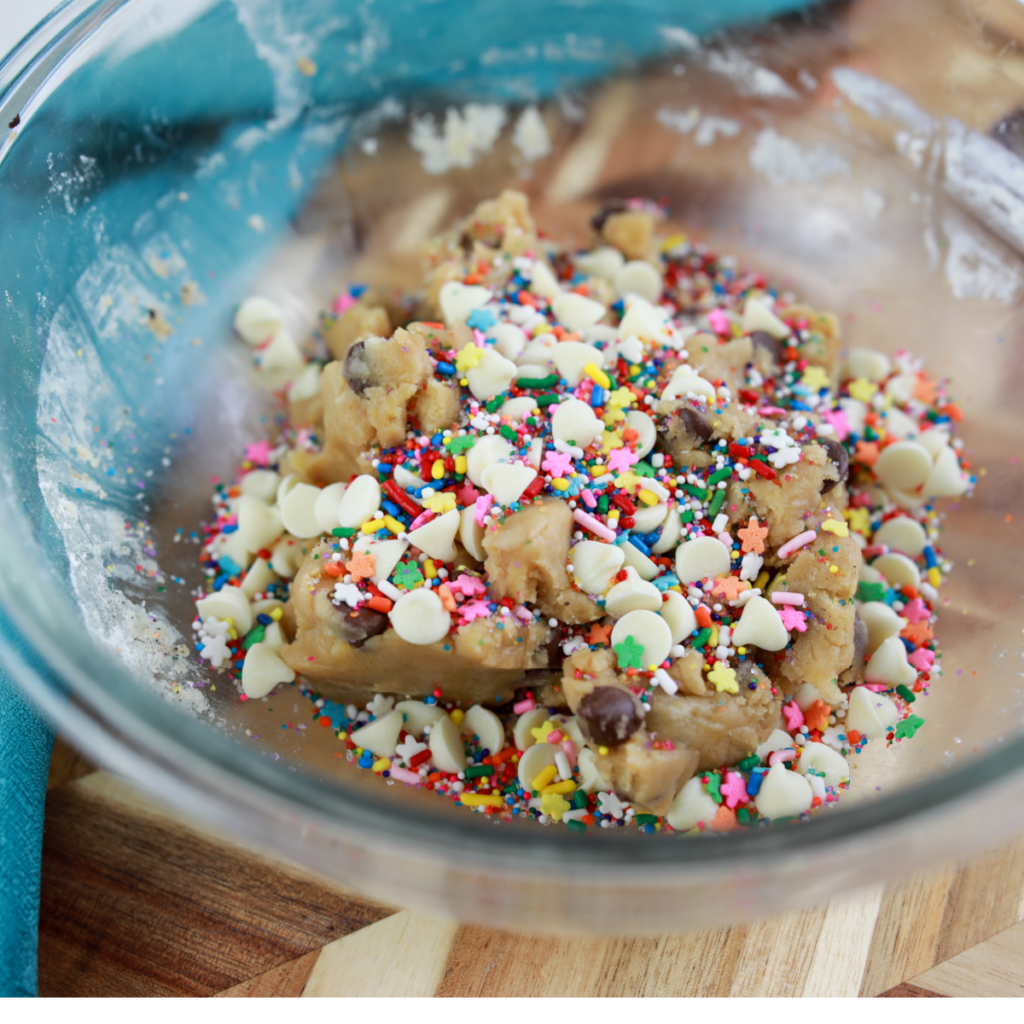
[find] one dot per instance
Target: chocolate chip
(694, 423)
(356, 369)
(839, 457)
(15, 121)
(1009, 132)
(597, 222)
(609, 716)
(762, 339)
(357, 627)
(554, 649)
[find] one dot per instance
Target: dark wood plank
(66, 765)
(284, 982)
(136, 903)
(907, 991)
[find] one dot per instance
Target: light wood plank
(991, 968)
(841, 953)
(404, 955)
(284, 982)
(777, 954)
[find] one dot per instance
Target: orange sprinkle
(816, 716)
(703, 615)
(361, 565)
(724, 820)
(332, 568)
(867, 452)
(380, 604)
(472, 279)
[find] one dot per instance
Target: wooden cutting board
(137, 901)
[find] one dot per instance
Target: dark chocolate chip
(839, 457)
(356, 628)
(694, 423)
(1009, 132)
(15, 121)
(597, 222)
(554, 649)
(609, 716)
(356, 370)
(762, 339)
(466, 242)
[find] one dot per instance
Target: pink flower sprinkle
(342, 302)
(620, 459)
(734, 790)
(719, 321)
(483, 503)
(468, 585)
(793, 619)
(474, 610)
(838, 421)
(915, 611)
(793, 715)
(258, 453)
(922, 659)
(557, 463)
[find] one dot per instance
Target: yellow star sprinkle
(836, 526)
(628, 482)
(440, 503)
(859, 520)
(613, 416)
(815, 378)
(724, 678)
(540, 734)
(621, 398)
(468, 358)
(862, 389)
(611, 439)
(554, 805)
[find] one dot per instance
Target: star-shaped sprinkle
(467, 494)
(714, 785)
(859, 520)
(621, 398)
(724, 678)
(458, 445)
(815, 378)
(752, 536)
(468, 358)
(348, 593)
(628, 482)
(609, 803)
(440, 503)
(750, 566)
(481, 319)
(835, 526)
(816, 716)
(793, 715)
(836, 418)
(867, 452)
(600, 634)
(918, 634)
(258, 453)
(925, 390)
(360, 565)
(557, 463)
(908, 727)
(475, 610)
(620, 459)
(468, 585)
(409, 748)
(540, 733)
(922, 659)
(729, 587)
(555, 805)
(862, 389)
(215, 650)
(407, 575)
(792, 618)
(734, 789)
(380, 705)
(611, 439)
(916, 611)
(724, 820)
(630, 653)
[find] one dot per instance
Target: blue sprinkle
(481, 319)
(229, 565)
(430, 700)
(264, 619)
(597, 397)
(200, 647)
(670, 579)
(909, 644)
(754, 783)
(639, 545)
(446, 369)
(356, 290)
(229, 529)
(392, 510)
(929, 557)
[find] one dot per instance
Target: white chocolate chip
(543, 281)
(233, 546)
(934, 440)
(458, 300)
(446, 749)
(856, 413)
(632, 594)
(903, 534)
(881, 622)
(534, 761)
(327, 505)
(532, 719)
(437, 538)
(380, 737)
(516, 408)
(871, 714)
(669, 534)
(360, 502)
(274, 638)
(634, 558)
(904, 465)
(306, 384)
(506, 482)
(266, 606)
(386, 555)
(471, 533)
(509, 340)
(866, 362)
(260, 483)
(594, 563)
(647, 518)
(649, 630)
(572, 357)
(676, 611)
(538, 352)
(821, 758)
(298, 511)
(760, 626)
(486, 452)
(692, 804)
(419, 617)
(262, 670)
(418, 716)
(574, 422)
(946, 479)
(282, 355)
(685, 381)
(531, 371)
(491, 376)
(701, 558)
(286, 556)
(898, 570)
(257, 319)
(604, 262)
(783, 793)
(639, 277)
(644, 426)
(487, 727)
(889, 665)
(900, 425)
(901, 387)
(406, 479)
(576, 312)
(258, 578)
(591, 780)
(758, 316)
(644, 321)
(778, 740)
(259, 525)
(227, 603)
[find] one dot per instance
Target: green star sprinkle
(714, 785)
(457, 445)
(630, 653)
(908, 727)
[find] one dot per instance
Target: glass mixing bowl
(164, 161)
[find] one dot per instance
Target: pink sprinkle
(588, 498)
(915, 611)
(569, 748)
(478, 337)
(620, 459)
(734, 789)
(342, 302)
(787, 597)
(421, 520)
(875, 549)
(555, 736)
(406, 776)
(527, 704)
(483, 503)
(596, 527)
(875, 687)
(922, 659)
(771, 410)
(475, 609)
(259, 453)
(793, 715)
(801, 540)
(781, 756)
(719, 321)
(837, 419)
(468, 585)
